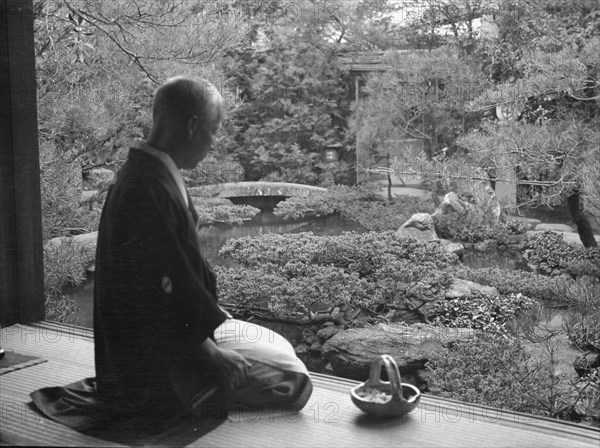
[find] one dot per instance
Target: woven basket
(404, 397)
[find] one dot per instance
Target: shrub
(222, 211)
(298, 285)
(497, 371)
(294, 288)
(325, 203)
(296, 271)
(454, 226)
(360, 204)
(60, 308)
(64, 265)
(384, 216)
(362, 253)
(61, 195)
(480, 371)
(298, 207)
(514, 226)
(467, 229)
(213, 170)
(481, 312)
(549, 252)
(507, 282)
(586, 263)
(398, 280)
(582, 318)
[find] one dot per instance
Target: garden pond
(213, 237)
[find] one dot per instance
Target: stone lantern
(331, 153)
(506, 186)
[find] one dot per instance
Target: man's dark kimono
(155, 295)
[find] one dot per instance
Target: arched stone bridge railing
(244, 189)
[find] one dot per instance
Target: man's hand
(230, 367)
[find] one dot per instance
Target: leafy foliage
(435, 23)
(545, 64)
(465, 227)
(61, 194)
(60, 308)
(399, 281)
(350, 270)
(481, 371)
(549, 251)
(489, 314)
(362, 253)
(99, 62)
(548, 155)
(468, 228)
(586, 263)
(582, 320)
(359, 204)
(294, 107)
(295, 288)
(506, 282)
(421, 97)
(222, 211)
(64, 265)
(497, 371)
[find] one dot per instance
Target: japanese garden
(413, 178)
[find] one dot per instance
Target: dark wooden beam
(21, 254)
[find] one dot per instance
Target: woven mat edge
(23, 365)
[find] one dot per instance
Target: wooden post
(21, 262)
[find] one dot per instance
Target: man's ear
(191, 125)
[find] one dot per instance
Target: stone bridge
(259, 194)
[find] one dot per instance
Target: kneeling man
(163, 345)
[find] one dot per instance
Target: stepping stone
(554, 227)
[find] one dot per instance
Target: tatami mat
(329, 419)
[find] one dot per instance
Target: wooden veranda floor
(329, 419)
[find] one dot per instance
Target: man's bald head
(187, 114)
(181, 97)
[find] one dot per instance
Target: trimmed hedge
(514, 282)
(362, 253)
(222, 211)
(359, 204)
(293, 288)
(497, 371)
(293, 272)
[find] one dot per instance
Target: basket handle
(392, 372)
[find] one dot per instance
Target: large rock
(352, 351)
(473, 204)
(459, 289)
(529, 223)
(465, 288)
(451, 247)
(419, 226)
(86, 243)
(97, 177)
